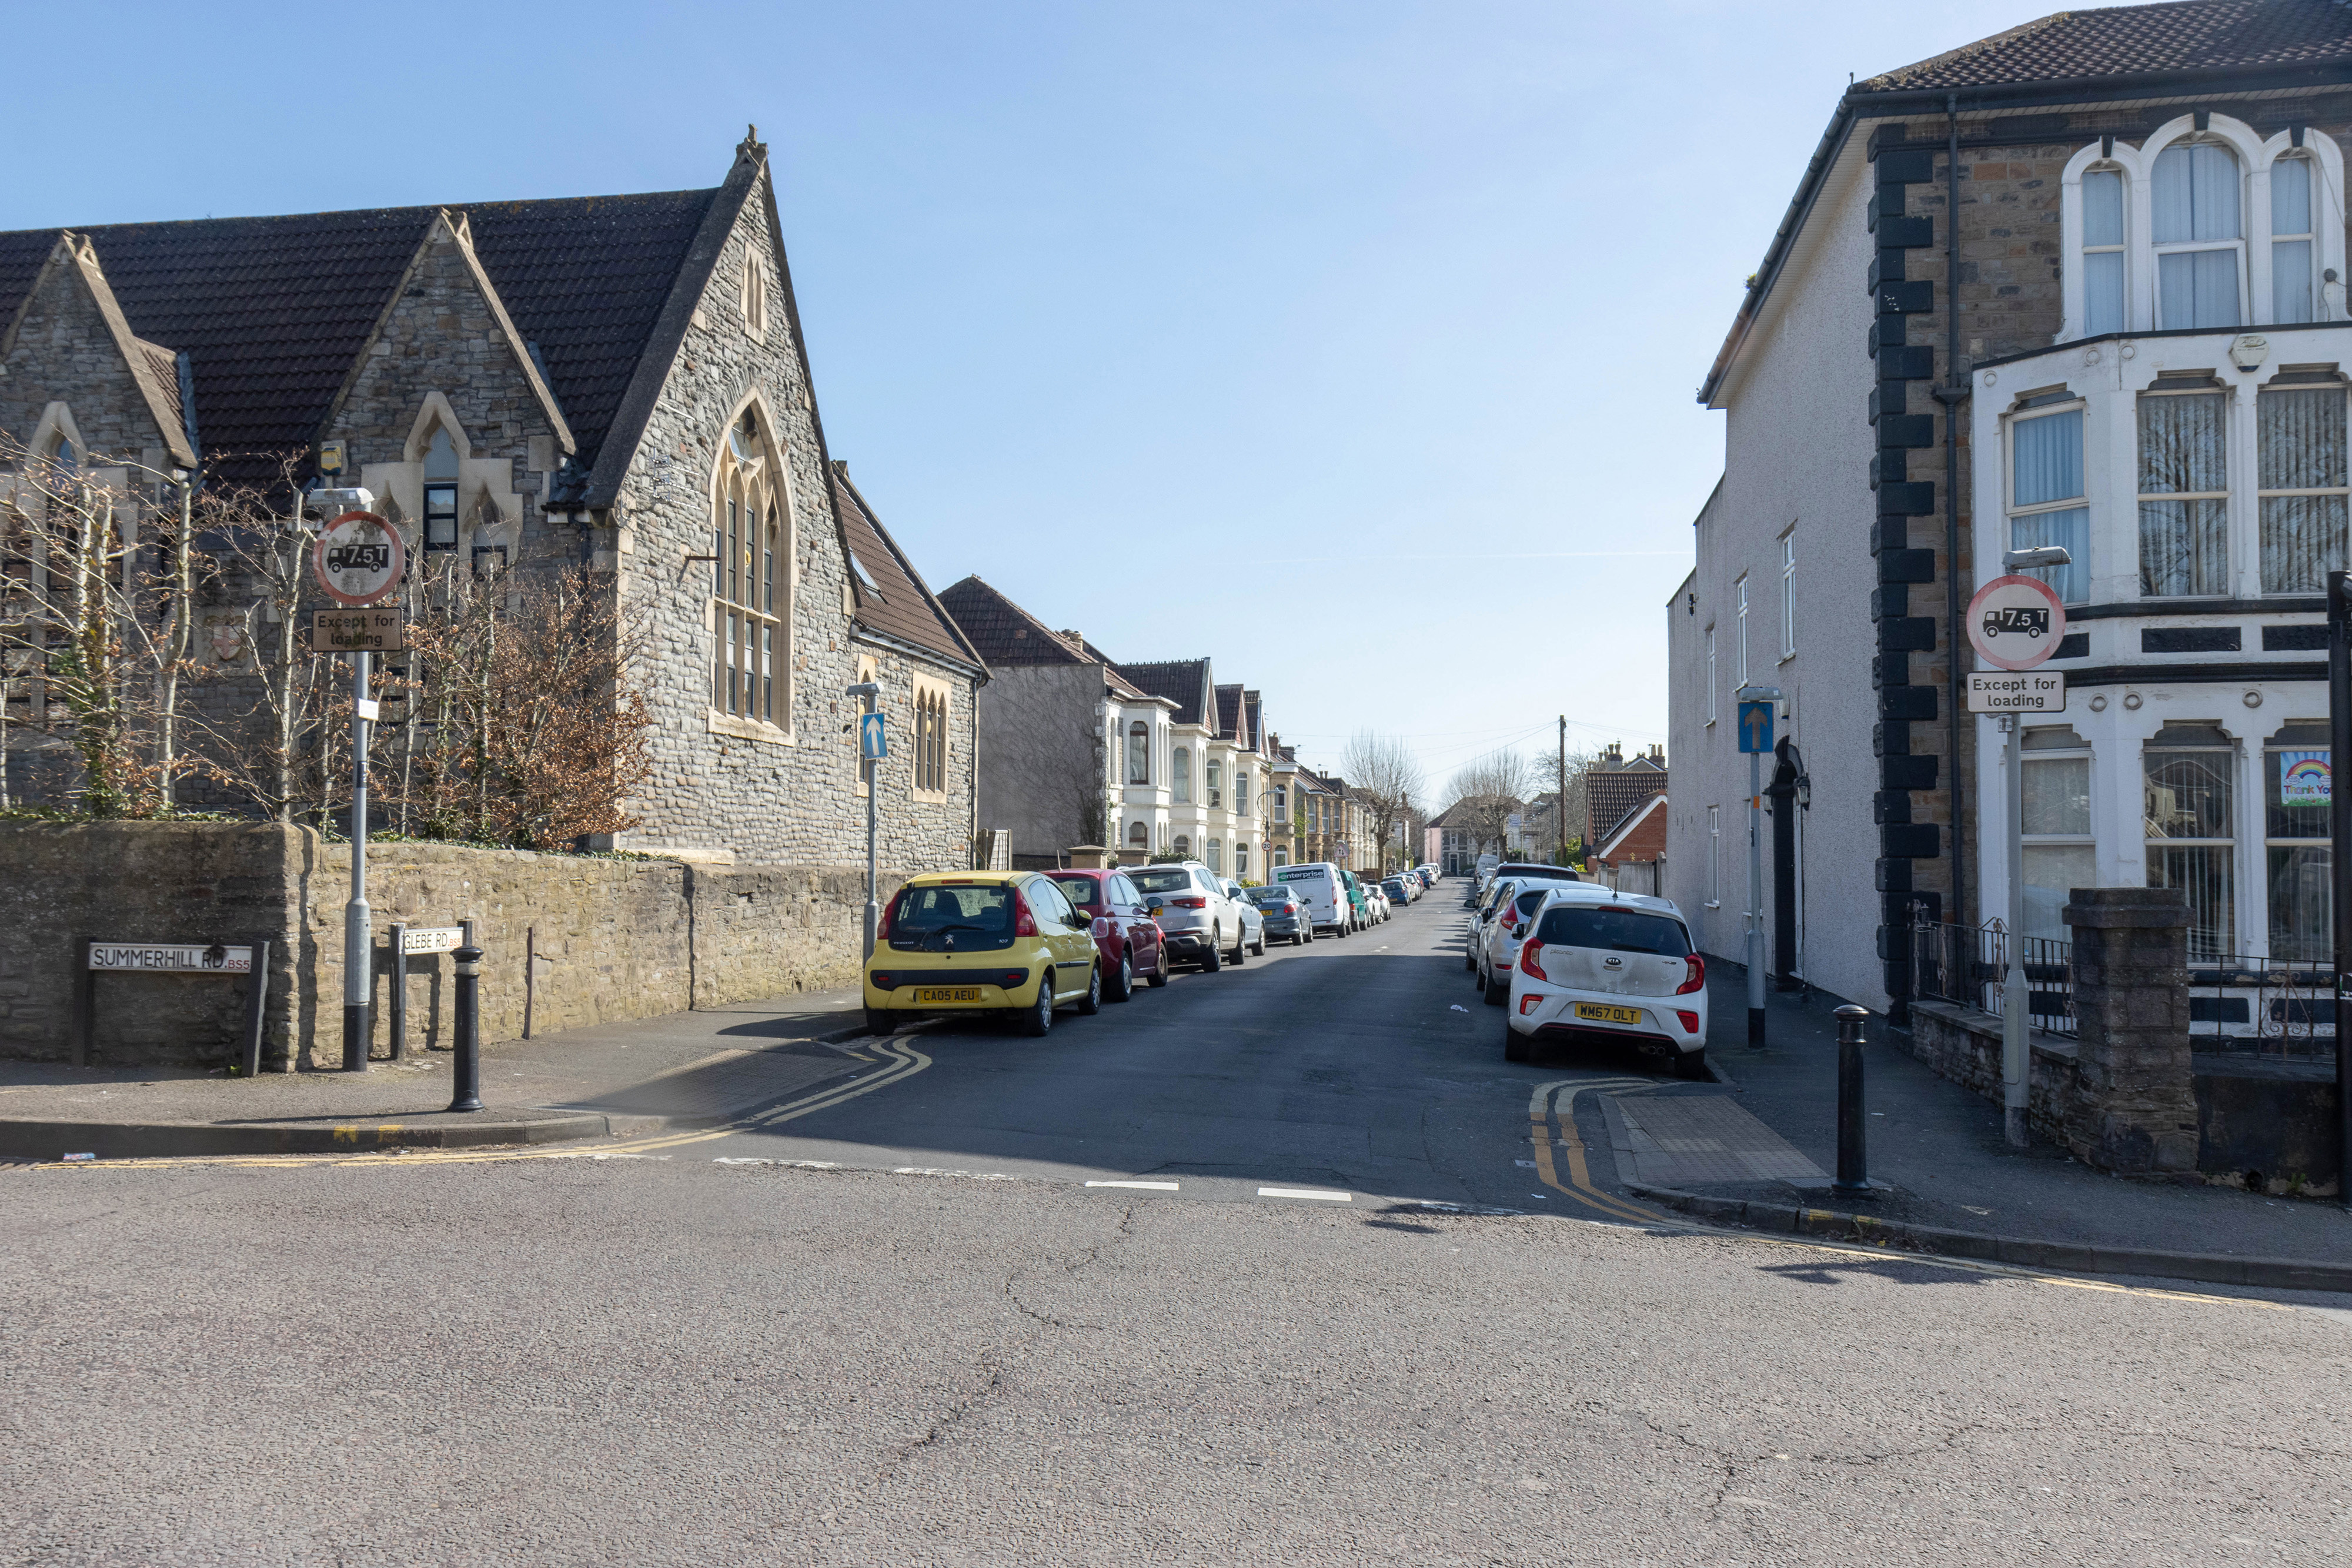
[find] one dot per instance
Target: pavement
(692, 1069)
(1938, 1150)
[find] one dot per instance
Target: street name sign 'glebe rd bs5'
(432, 938)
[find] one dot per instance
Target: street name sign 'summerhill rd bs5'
(171, 957)
(359, 559)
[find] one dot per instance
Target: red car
(1124, 929)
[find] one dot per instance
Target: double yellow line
(901, 1061)
(1550, 1117)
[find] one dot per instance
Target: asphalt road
(684, 1353)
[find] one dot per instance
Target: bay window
(2190, 796)
(2301, 471)
(2046, 505)
(2184, 503)
(2295, 846)
(2199, 236)
(2293, 241)
(2103, 252)
(2054, 825)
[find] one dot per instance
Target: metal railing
(1968, 965)
(2262, 1007)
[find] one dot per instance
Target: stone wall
(1964, 1045)
(615, 940)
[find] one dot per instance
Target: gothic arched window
(750, 610)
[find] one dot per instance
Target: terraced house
(618, 383)
(2083, 284)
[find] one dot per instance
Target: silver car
(1198, 917)
(1502, 925)
(1253, 918)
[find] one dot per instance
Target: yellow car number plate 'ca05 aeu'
(948, 993)
(1608, 1015)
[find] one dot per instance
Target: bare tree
(96, 637)
(1483, 795)
(1385, 778)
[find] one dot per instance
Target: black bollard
(467, 1027)
(1853, 1145)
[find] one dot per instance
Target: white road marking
(1304, 1192)
(1146, 1186)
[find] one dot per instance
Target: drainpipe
(1951, 394)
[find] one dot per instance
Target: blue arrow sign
(1755, 727)
(871, 745)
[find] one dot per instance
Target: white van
(1320, 887)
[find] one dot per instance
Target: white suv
(1199, 919)
(1600, 968)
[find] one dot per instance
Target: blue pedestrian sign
(1755, 727)
(870, 743)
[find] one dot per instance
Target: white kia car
(1603, 968)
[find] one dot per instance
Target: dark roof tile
(272, 311)
(2133, 40)
(891, 597)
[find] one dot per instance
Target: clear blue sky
(1350, 344)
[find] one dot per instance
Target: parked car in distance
(1201, 927)
(1323, 886)
(1615, 968)
(1358, 899)
(1004, 942)
(1498, 945)
(1287, 918)
(1253, 918)
(1501, 894)
(1132, 946)
(1538, 868)
(1399, 889)
(1377, 900)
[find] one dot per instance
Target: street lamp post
(871, 694)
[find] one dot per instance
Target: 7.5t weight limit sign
(359, 559)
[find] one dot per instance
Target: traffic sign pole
(2014, 624)
(1756, 739)
(1755, 900)
(359, 559)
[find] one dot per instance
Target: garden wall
(615, 940)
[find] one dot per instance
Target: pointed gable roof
(154, 368)
(1184, 681)
(890, 597)
(1233, 719)
(271, 311)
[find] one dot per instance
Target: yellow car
(1003, 942)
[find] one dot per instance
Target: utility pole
(1559, 801)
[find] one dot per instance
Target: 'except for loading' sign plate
(2020, 691)
(2015, 623)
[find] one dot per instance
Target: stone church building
(618, 383)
